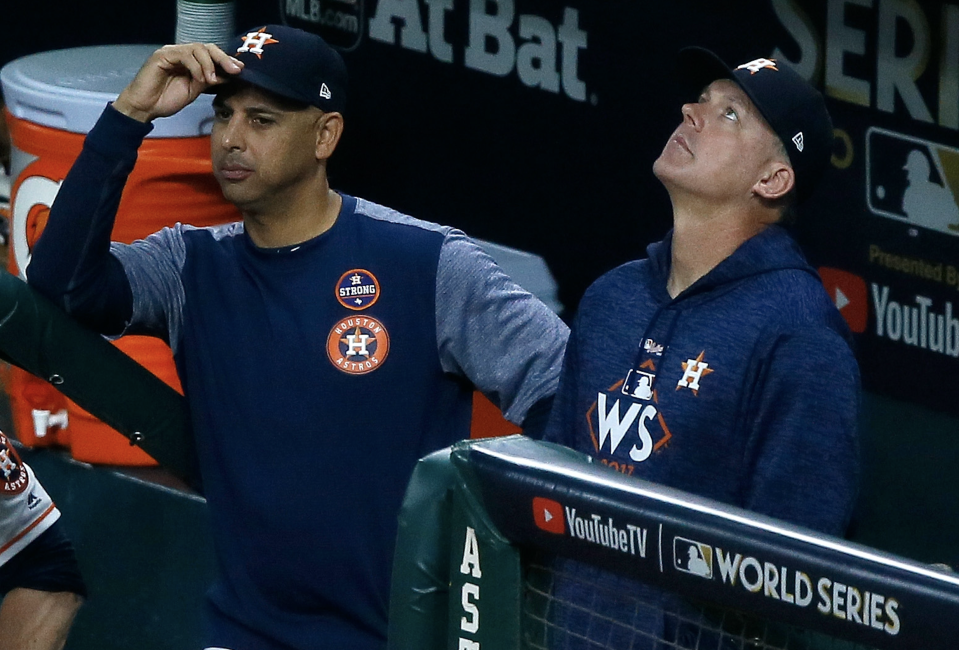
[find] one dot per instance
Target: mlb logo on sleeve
(548, 515)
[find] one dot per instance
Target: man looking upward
(718, 365)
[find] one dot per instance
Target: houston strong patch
(357, 289)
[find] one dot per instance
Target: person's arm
(71, 262)
(563, 426)
(803, 453)
(498, 335)
(37, 620)
(41, 585)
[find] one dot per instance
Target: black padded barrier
(487, 500)
(38, 337)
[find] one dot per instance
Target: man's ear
(329, 129)
(778, 179)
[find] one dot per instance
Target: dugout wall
(472, 510)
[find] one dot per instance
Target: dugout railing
(474, 512)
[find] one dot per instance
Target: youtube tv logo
(548, 515)
(848, 292)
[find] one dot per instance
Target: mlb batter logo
(357, 289)
(693, 557)
(13, 473)
(913, 181)
(639, 384)
(358, 345)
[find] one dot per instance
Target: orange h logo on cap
(756, 65)
(254, 42)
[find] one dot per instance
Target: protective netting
(568, 609)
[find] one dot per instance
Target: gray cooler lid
(68, 89)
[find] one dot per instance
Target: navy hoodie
(743, 388)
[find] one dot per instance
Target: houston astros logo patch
(358, 345)
(13, 473)
(357, 289)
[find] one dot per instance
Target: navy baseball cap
(291, 63)
(790, 105)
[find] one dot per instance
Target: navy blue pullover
(316, 374)
(743, 388)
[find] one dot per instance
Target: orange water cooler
(53, 99)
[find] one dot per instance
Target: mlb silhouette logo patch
(639, 384)
(548, 515)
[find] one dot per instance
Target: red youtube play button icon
(548, 515)
(848, 291)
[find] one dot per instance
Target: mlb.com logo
(548, 515)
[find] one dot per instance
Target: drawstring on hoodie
(643, 353)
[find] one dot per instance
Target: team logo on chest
(693, 372)
(358, 345)
(13, 473)
(357, 289)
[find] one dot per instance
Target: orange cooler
(53, 99)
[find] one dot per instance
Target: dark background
(571, 181)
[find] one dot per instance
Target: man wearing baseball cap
(754, 386)
(325, 343)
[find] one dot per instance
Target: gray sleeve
(153, 266)
(493, 332)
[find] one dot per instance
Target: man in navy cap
(749, 386)
(325, 343)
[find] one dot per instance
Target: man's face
(720, 149)
(263, 152)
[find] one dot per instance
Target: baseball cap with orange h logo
(794, 109)
(291, 63)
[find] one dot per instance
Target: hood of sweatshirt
(770, 251)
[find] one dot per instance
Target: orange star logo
(693, 371)
(255, 41)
